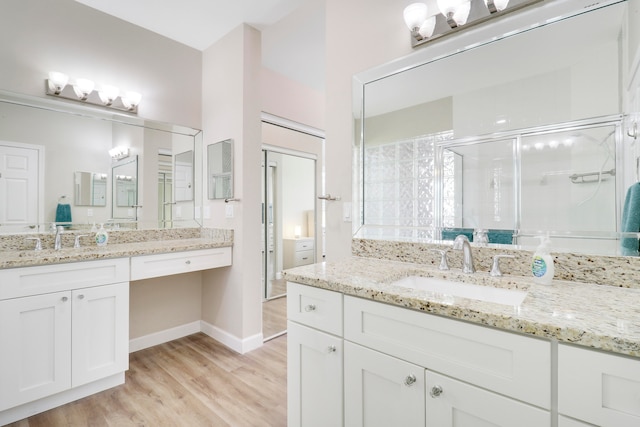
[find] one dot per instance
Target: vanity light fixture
(120, 152)
(454, 14)
(83, 90)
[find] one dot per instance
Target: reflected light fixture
(83, 91)
(119, 152)
(417, 19)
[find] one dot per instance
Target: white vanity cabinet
(61, 327)
(158, 265)
(314, 357)
(403, 367)
(598, 388)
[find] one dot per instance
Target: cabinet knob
(188, 262)
(331, 348)
(310, 307)
(410, 380)
(436, 391)
(81, 296)
(65, 299)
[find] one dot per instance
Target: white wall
(64, 35)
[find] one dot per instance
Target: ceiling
(200, 23)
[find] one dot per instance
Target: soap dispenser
(542, 263)
(101, 236)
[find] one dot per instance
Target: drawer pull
(331, 348)
(310, 307)
(436, 391)
(410, 380)
(188, 262)
(65, 299)
(305, 258)
(81, 296)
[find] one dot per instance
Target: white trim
(234, 343)
(28, 409)
(161, 337)
(290, 124)
(289, 151)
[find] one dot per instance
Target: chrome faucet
(58, 242)
(462, 243)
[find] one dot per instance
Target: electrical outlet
(89, 212)
(346, 211)
(228, 211)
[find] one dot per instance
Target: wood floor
(193, 381)
(274, 317)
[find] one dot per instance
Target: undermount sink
(441, 288)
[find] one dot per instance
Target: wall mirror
(220, 170)
(90, 189)
(517, 136)
(62, 138)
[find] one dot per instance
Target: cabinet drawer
(303, 258)
(507, 363)
(599, 388)
(304, 245)
(24, 281)
(318, 308)
(147, 266)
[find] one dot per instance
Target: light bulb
(131, 100)
(456, 11)
(426, 29)
(57, 81)
(83, 88)
(108, 94)
(414, 15)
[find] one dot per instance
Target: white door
(35, 360)
(100, 332)
(18, 185)
(314, 378)
(452, 403)
(380, 390)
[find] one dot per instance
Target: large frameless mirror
(512, 138)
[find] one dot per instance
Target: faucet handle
(76, 244)
(38, 246)
(495, 267)
(444, 265)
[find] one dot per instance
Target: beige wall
(231, 297)
(353, 45)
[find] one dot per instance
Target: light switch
(207, 212)
(228, 210)
(346, 211)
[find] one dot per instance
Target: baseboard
(161, 337)
(234, 343)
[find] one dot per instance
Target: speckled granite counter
(121, 244)
(596, 316)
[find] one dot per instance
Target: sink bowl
(443, 288)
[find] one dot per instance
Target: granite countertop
(595, 316)
(122, 248)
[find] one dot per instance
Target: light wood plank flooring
(274, 317)
(193, 381)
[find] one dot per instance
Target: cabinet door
(35, 360)
(314, 377)
(451, 403)
(100, 332)
(380, 390)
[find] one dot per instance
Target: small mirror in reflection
(90, 189)
(220, 169)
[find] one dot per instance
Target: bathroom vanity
(365, 350)
(64, 315)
